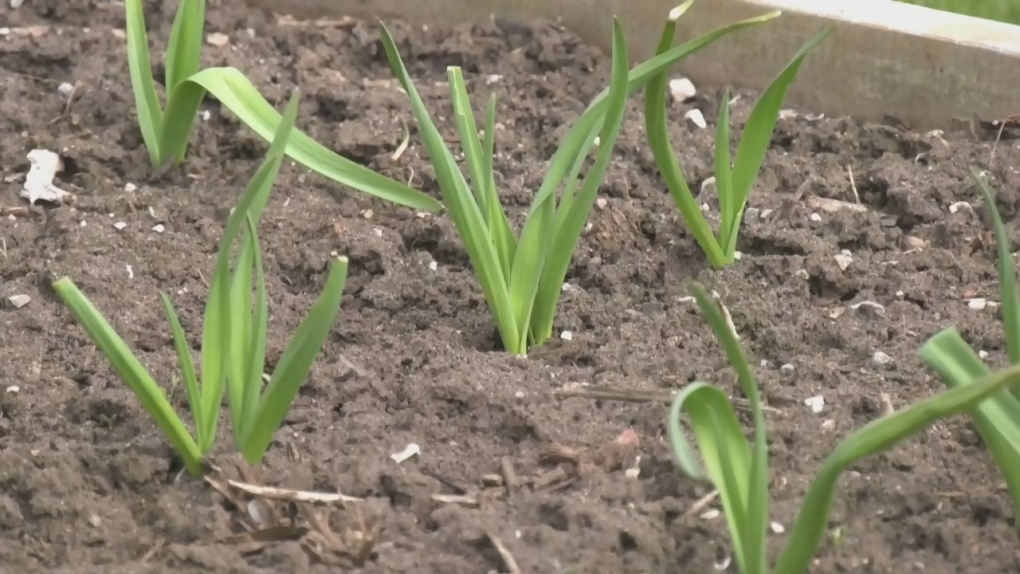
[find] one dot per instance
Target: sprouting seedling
(522, 277)
(166, 131)
(233, 340)
(733, 179)
(738, 469)
(997, 419)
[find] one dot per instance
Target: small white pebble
(959, 205)
(217, 39)
(601, 203)
(815, 217)
(566, 335)
(19, 301)
(816, 403)
(705, 208)
(786, 369)
(120, 225)
(433, 265)
(566, 287)
(158, 228)
(492, 79)
(632, 473)
(130, 188)
(765, 213)
(751, 213)
(723, 564)
(802, 273)
(828, 424)
(844, 259)
(983, 354)
(978, 303)
(412, 449)
(900, 294)
(65, 89)
(787, 114)
(881, 358)
(13, 389)
(519, 394)
(682, 89)
(777, 528)
(368, 214)
(696, 118)
(377, 231)
(737, 255)
(710, 514)
(130, 272)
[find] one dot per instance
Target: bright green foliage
(738, 469)
(733, 180)
(166, 131)
(997, 419)
(1007, 11)
(234, 337)
(522, 277)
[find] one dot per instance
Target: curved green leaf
(239, 95)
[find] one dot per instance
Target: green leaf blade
(184, 50)
(996, 419)
(191, 385)
(294, 365)
(1007, 274)
(462, 206)
(131, 371)
(236, 92)
(147, 106)
(665, 158)
(755, 140)
(872, 439)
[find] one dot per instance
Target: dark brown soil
(87, 484)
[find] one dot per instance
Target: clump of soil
(87, 485)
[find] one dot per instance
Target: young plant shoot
(739, 470)
(997, 419)
(733, 179)
(522, 277)
(233, 339)
(166, 131)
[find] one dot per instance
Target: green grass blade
(726, 453)
(1007, 274)
(471, 145)
(217, 334)
(643, 73)
(872, 439)
(724, 175)
(147, 106)
(294, 365)
(464, 210)
(236, 93)
(257, 351)
(567, 234)
(997, 419)
(187, 372)
(499, 227)
(239, 361)
(184, 50)
(754, 142)
(755, 526)
(665, 158)
(131, 371)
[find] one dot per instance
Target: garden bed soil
(87, 484)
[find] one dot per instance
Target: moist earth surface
(861, 241)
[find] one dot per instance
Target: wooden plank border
(924, 67)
